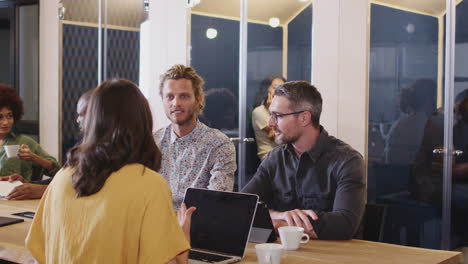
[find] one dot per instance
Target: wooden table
(12, 236)
(316, 251)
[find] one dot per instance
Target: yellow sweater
(130, 220)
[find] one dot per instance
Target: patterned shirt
(27, 169)
(205, 158)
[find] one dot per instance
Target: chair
(373, 222)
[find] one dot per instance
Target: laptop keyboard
(206, 257)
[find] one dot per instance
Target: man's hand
(14, 177)
(296, 217)
(27, 191)
(184, 216)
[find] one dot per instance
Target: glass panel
(6, 44)
(460, 131)
(122, 39)
(405, 120)
(79, 62)
(299, 41)
(279, 44)
(28, 65)
(214, 54)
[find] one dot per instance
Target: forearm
(336, 225)
(44, 163)
(182, 258)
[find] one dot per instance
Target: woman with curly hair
(32, 161)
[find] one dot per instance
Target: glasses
(275, 116)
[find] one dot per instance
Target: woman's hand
(27, 191)
(14, 177)
(184, 216)
(25, 153)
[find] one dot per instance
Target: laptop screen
(222, 220)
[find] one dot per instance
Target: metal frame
(448, 121)
(242, 94)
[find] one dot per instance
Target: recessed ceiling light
(211, 33)
(410, 28)
(192, 3)
(274, 22)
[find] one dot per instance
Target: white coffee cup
(292, 237)
(11, 150)
(269, 253)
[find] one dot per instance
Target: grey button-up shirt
(328, 179)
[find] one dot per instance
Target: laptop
(220, 226)
(262, 228)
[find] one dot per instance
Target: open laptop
(220, 226)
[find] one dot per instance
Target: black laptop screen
(222, 220)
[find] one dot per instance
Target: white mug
(268, 253)
(11, 150)
(292, 237)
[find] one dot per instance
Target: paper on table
(6, 187)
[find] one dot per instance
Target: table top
(316, 251)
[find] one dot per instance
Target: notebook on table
(4, 221)
(220, 226)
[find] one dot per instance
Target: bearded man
(194, 155)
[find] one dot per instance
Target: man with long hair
(194, 155)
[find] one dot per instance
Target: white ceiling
(262, 10)
(430, 7)
(130, 12)
(257, 10)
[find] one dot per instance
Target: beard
(184, 120)
(285, 139)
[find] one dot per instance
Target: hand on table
(14, 177)
(27, 191)
(296, 217)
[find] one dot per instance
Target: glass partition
(299, 42)
(19, 67)
(459, 210)
(214, 53)
(121, 38)
(90, 56)
(409, 125)
(278, 46)
(7, 50)
(80, 53)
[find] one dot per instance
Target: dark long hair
(117, 132)
(262, 93)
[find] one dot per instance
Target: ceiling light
(304, 0)
(192, 3)
(274, 22)
(410, 28)
(211, 33)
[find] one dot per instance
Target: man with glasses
(313, 180)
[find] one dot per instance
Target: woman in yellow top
(108, 204)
